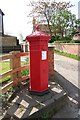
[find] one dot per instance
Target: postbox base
(39, 93)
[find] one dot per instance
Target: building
(8, 43)
(1, 23)
(77, 34)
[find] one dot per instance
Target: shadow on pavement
(70, 89)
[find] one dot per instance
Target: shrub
(26, 71)
(62, 41)
(75, 41)
(52, 39)
(67, 41)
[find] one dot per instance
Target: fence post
(15, 63)
(51, 62)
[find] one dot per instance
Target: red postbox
(38, 42)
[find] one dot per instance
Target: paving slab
(25, 105)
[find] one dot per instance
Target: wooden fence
(15, 70)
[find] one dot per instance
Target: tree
(77, 22)
(63, 22)
(45, 9)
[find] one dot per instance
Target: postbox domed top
(38, 35)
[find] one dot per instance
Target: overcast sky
(16, 20)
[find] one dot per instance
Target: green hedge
(75, 41)
(62, 41)
(67, 41)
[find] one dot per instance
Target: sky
(16, 21)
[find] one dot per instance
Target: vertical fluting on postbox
(38, 42)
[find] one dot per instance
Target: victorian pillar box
(38, 42)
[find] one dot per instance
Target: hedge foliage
(67, 41)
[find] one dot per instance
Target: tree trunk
(49, 29)
(48, 25)
(62, 35)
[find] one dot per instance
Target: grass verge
(67, 54)
(5, 66)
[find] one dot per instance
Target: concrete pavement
(24, 105)
(67, 75)
(68, 68)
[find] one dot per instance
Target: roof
(1, 12)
